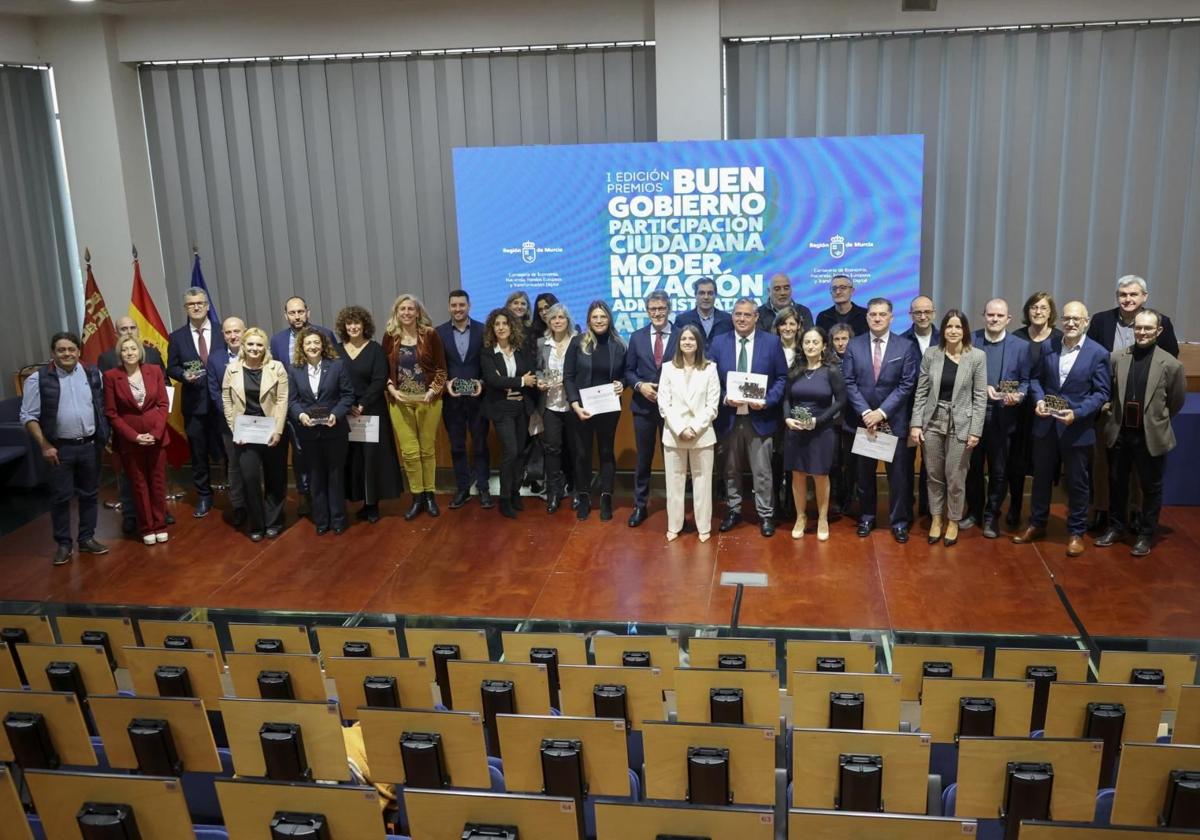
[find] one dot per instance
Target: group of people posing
(985, 409)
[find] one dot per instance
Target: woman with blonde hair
(416, 379)
(257, 385)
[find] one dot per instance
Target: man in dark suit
(188, 349)
(462, 336)
(109, 360)
(1076, 371)
(1148, 389)
(649, 347)
(711, 321)
(746, 429)
(283, 347)
(231, 330)
(844, 310)
(880, 371)
(925, 334)
(779, 297)
(1113, 330)
(1007, 361)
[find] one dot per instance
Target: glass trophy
(549, 377)
(1009, 386)
(1056, 405)
(464, 387)
(194, 368)
(802, 414)
(319, 413)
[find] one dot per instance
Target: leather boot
(431, 505)
(605, 507)
(583, 506)
(418, 505)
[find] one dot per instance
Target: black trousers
(844, 478)
(1129, 454)
(264, 470)
(647, 433)
(992, 452)
(77, 474)
(464, 416)
(327, 478)
(600, 429)
(204, 439)
(900, 476)
(1076, 462)
(512, 427)
(554, 445)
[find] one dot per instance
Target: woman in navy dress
(810, 445)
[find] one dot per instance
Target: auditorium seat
(1104, 806)
(200, 791)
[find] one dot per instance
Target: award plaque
(802, 414)
(1009, 386)
(549, 377)
(318, 413)
(884, 428)
(194, 368)
(463, 387)
(1055, 404)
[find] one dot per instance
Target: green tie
(743, 362)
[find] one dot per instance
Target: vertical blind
(332, 179)
(34, 261)
(1054, 158)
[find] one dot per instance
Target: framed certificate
(248, 428)
(363, 429)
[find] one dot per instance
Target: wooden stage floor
(472, 562)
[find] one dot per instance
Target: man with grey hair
(649, 347)
(188, 349)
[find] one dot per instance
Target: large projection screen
(617, 221)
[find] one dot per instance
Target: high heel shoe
(951, 534)
(705, 537)
(798, 530)
(935, 530)
(672, 536)
(823, 530)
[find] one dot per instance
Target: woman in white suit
(689, 392)
(947, 419)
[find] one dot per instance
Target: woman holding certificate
(812, 405)
(689, 393)
(372, 469)
(320, 396)
(508, 380)
(592, 374)
(255, 397)
(947, 418)
(135, 400)
(416, 377)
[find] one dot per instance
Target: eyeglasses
(1072, 319)
(656, 310)
(925, 312)
(196, 304)
(841, 288)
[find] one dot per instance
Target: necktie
(203, 347)
(877, 358)
(658, 348)
(743, 362)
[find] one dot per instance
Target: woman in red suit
(135, 400)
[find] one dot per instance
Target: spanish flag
(154, 332)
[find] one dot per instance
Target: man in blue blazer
(880, 371)
(649, 348)
(462, 336)
(925, 334)
(1075, 369)
(1007, 361)
(231, 330)
(188, 349)
(283, 346)
(745, 430)
(711, 321)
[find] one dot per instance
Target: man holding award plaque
(462, 410)
(1069, 387)
(753, 373)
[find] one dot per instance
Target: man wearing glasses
(1069, 386)
(649, 347)
(188, 349)
(844, 310)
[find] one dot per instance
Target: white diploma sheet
(248, 428)
(599, 400)
(363, 429)
(879, 447)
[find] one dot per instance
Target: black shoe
(62, 555)
(1099, 522)
(506, 509)
(1111, 536)
(431, 505)
(322, 530)
(865, 528)
(535, 488)
(766, 528)
(989, 529)
(418, 505)
(553, 503)
(170, 519)
(92, 547)
(239, 517)
(517, 503)
(1141, 546)
(272, 533)
(372, 513)
(637, 517)
(256, 536)
(338, 530)
(583, 506)
(900, 533)
(605, 507)
(202, 507)
(128, 526)
(731, 518)
(485, 499)
(966, 522)
(460, 499)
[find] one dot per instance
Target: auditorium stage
(472, 562)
